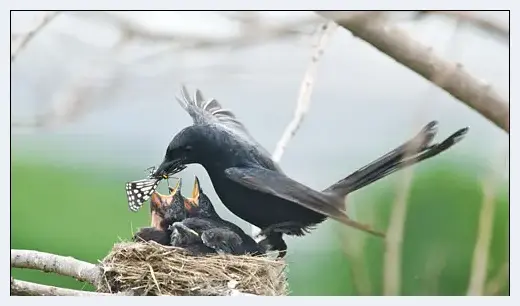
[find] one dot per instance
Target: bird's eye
(188, 148)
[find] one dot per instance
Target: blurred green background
(82, 212)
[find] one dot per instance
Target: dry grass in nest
(153, 269)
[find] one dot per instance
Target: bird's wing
(279, 185)
(210, 111)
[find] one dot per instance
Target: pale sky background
(363, 103)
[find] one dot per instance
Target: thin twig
(394, 236)
(19, 287)
(304, 98)
(393, 251)
(47, 262)
(49, 16)
(251, 32)
(155, 279)
(353, 246)
(303, 102)
(478, 276)
(400, 46)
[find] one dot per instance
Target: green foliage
(78, 213)
(437, 248)
(67, 212)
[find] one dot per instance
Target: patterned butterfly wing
(138, 192)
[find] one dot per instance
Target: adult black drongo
(252, 186)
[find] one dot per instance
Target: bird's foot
(274, 242)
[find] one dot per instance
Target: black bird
(164, 211)
(167, 209)
(199, 205)
(195, 231)
(188, 239)
(152, 234)
(252, 186)
(220, 233)
(224, 241)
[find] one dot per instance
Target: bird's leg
(274, 242)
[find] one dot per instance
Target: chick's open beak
(176, 188)
(195, 193)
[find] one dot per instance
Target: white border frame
(235, 5)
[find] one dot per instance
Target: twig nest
(153, 269)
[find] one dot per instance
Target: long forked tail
(397, 159)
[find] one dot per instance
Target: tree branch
(47, 262)
(251, 31)
(304, 99)
(19, 287)
(451, 77)
(31, 34)
(67, 266)
(394, 234)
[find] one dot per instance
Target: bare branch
(67, 266)
(49, 16)
(451, 77)
(251, 32)
(488, 25)
(19, 287)
(47, 262)
(394, 234)
(304, 99)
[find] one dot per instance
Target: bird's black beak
(168, 168)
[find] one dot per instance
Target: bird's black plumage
(186, 238)
(222, 234)
(167, 209)
(164, 211)
(152, 234)
(224, 241)
(197, 230)
(252, 186)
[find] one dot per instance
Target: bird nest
(152, 269)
